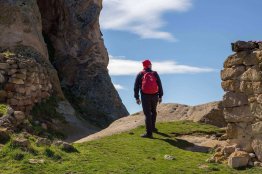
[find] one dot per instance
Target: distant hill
(210, 113)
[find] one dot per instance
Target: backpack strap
(144, 72)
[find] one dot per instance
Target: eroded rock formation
(46, 44)
(71, 29)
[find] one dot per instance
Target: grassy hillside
(124, 153)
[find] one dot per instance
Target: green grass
(125, 153)
(3, 109)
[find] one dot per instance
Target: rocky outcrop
(242, 82)
(77, 50)
(209, 113)
(41, 38)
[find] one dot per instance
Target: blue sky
(187, 41)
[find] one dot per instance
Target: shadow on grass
(163, 134)
(183, 144)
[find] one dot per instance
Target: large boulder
(238, 159)
(243, 46)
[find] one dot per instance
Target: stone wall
(242, 83)
(24, 81)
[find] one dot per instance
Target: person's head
(147, 64)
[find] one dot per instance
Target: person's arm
(160, 88)
(137, 86)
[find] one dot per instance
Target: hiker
(150, 87)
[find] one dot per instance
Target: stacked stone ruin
(24, 81)
(242, 102)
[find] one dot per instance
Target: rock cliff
(55, 48)
(76, 47)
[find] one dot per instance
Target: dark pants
(149, 104)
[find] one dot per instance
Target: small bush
(3, 109)
(46, 111)
(18, 156)
(51, 154)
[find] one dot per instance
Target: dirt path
(201, 143)
(166, 113)
(119, 126)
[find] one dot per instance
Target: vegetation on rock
(3, 109)
(45, 112)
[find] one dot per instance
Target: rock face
(80, 57)
(242, 82)
(27, 76)
(48, 44)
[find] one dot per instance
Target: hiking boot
(146, 136)
(155, 130)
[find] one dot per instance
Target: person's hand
(159, 100)
(138, 101)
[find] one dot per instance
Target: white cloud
(119, 87)
(121, 66)
(142, 17)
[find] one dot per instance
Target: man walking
(149, 84)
